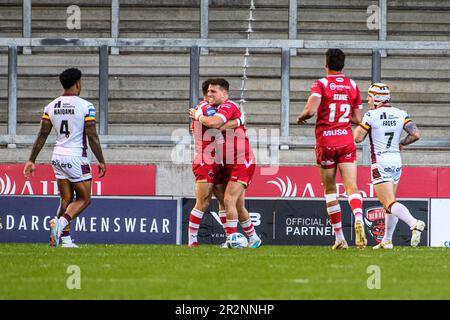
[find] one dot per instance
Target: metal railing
(197, 46)
(194, 62)
(194, 44)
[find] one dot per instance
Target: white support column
(382, 31)
(12, 93)
(293, 5)
(26, 23)
(115, 23)
(285, 91)
(204, 23)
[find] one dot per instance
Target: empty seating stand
(149, 88)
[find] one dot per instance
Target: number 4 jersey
(68, 115)
(339, 97)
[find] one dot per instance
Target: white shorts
(384, 172)
(73, 168)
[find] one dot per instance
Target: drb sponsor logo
(58, 164)
(447, 244)
(374, 220)
(336, 132)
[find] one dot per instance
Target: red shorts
(329, 157)
(210, 173)
(240, 173)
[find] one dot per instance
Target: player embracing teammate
(235, 153)
(337, 102)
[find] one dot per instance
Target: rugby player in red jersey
(239, 160)
(337, 102)
(207, 166)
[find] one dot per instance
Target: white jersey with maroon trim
(68, 115)
(385, 126)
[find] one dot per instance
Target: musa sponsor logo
(336, 132)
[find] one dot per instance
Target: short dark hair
(205, 86)
(335, 59)
(69, 77)
(220, 82)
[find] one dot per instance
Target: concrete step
(256, 88)
(361, 4)
(173, 61)
(253, 108)
(267, 20)
(168, 84)
(179, 116)
(341, 15)
(168, 155)
(170, 129)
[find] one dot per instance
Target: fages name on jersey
(385, 126)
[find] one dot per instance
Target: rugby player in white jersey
(384, 125)
(73, 119)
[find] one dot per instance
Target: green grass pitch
(36, 271)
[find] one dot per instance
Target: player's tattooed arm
(359, 134)
(310, 109)
(94, 143)
(44, 131)
(413, 134)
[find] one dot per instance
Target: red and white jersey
(68, 115)
(237, 146)
(339, 97)
(204, 137)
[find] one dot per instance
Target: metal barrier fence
(195, 44)
(287, 47)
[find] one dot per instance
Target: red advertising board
(283, 181)
(416, 182)
(443, 183)
(120, 180)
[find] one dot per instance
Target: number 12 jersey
(339, 95)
